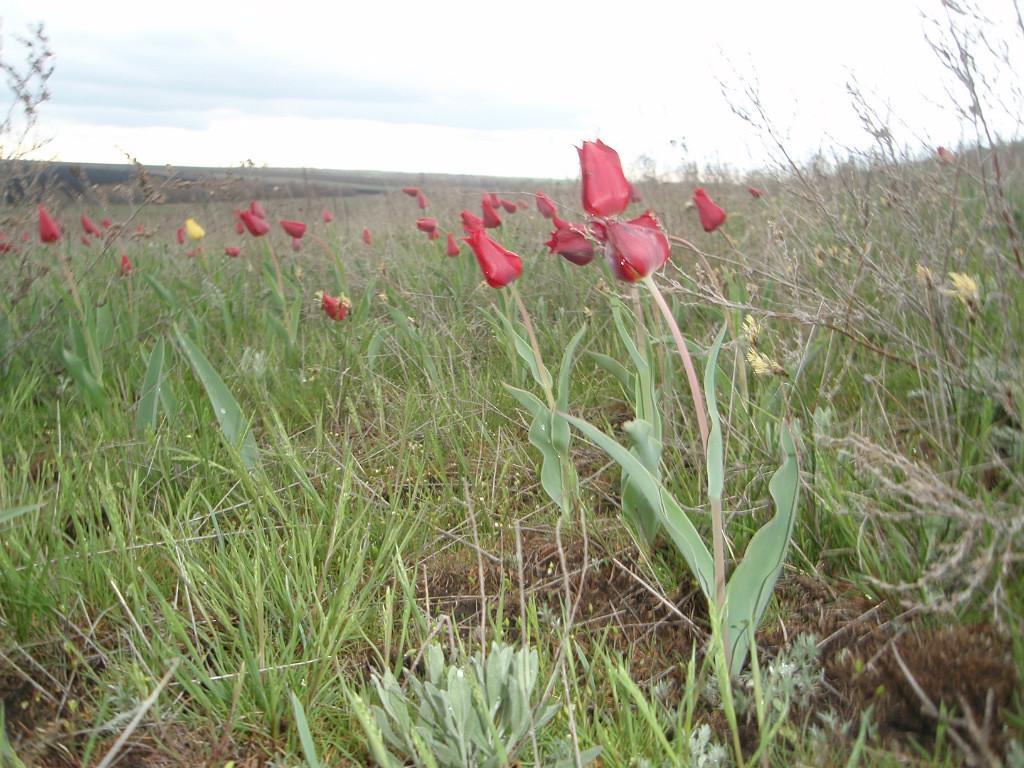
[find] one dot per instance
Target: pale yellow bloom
(193, 230)
(763, 365)
(965, 288)
(751, 329)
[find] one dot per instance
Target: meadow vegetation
(237, 530)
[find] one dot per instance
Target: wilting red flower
(367, 238)
(421, 201)
(945, 156)
(294, 229)
(570, 242)
(411, 191)
(605, 189)
(452, 247)
(239, 227)
(126, 265)
(49, 232)
(509, 206)
(545, 205)
(495, 200)
(180, 235)
(106, 223)
(500, 266)
(327, 216)
(636, 248)
(471, 222)
(335, 308)
(257, 210)
(755, 192)
(634, 195)
(491, 218)
(88, 226)
(256, 225)
(711, 215)
(296, 244)
(233, 251)
(426, 224)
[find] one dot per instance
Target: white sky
(504, 87)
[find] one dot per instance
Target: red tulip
(605, 189)
(5, 247)
(636, 248)
(711, 215)
(256, 225)
(88, 226)
(233, 251)
(239, 227)
(421, 201)
(570, 243)
(294, 229)
(327, 216)
(545, 205)
(180, 234)
(335, 308)
(509, 206)
(106, 223)
(522, 205)
(49, 232)
(755, 192)
(500, 266)
(411, 191)
(126, 265)
(491, 218)
(426, 224)
(367, 239)
(433, 235)
(471, 222)
(495, 200)
(257, 210)
(452, 248)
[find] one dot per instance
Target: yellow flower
(764, 365)
(965, 290)
(751, 329)
(194, 231)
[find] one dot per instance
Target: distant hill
(23, 181)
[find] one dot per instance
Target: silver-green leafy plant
(479, 714)
(740, 602)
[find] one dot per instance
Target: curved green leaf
(715, 459)
(682, 532)
(753, 581)
(233, 425)
(149, 403)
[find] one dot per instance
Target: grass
(393, 472)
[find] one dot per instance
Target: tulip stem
(277, 270)
(545, 381)
(684, 354)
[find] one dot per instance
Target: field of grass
(184, 584)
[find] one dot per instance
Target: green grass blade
(229, 415)
(308, 748)
(565, 371)
(92, 390)
(11, 513)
